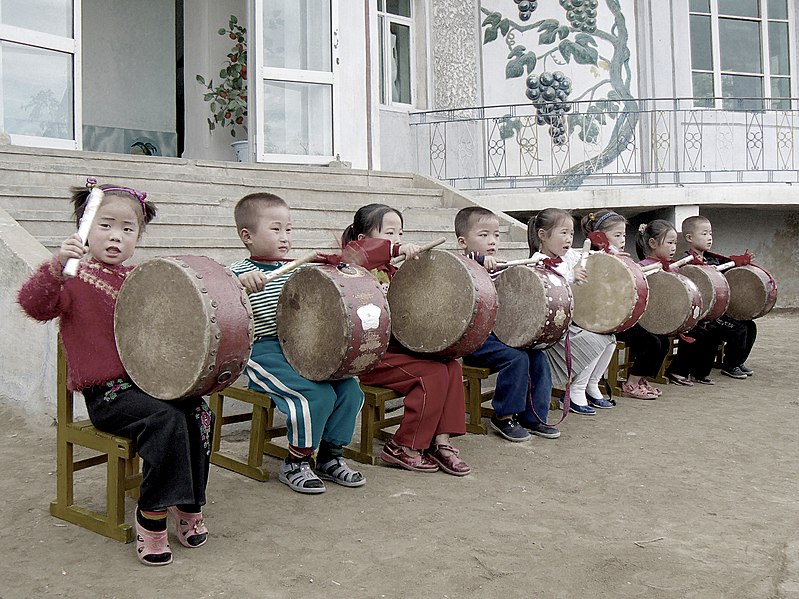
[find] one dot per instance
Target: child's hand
(253, 281)
(580, 274)
(490, 263)
(71, 247)
(410, 250)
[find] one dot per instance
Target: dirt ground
(693, 495)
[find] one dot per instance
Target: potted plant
(228, 98)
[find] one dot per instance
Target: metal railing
(649, 142)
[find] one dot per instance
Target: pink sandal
(152, 548)
(191, 529)
(637, 391)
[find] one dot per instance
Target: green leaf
(493, 19)
(504, 26)
(490, 35)
(563, 32)
(514, 69)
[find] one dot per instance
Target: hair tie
(642, 228)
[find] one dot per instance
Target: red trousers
(433, 390)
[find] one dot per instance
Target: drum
(753, 292)
(332, 321)
(613, 298)
(443, 304)
(675, 304)
(183, 326)
(535, 307)
(712, 286)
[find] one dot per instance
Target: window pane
(46, 16)
(740, 8)
(37, 91)
(297, 34)
(703, 88)
(781, 88)
(701, 48)
(777, 9)
(778, 51)
(745, 87)
(739, 45)
(298, 118)
(399, 7)
(400, 38)
(700, 6)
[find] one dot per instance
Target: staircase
(195, 200)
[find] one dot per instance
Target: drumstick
(424, 248)
(725, 266)
(279, 272)
(93, 203)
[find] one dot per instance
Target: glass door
(39, 65)
(296, 57)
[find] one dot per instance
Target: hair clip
(642, 228)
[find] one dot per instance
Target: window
(395, 32)
(740, 52)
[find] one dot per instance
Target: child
(318, 414)
(739, 335)
(551, 232)
(655, 242)
(172, 437)
(435, 408)
(524, 382)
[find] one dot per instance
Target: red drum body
(443, 304)
(713, 287)
(675, 304)
(332, 321)
(753, 292)
(183, 326)
(613, 298)
(535, 307)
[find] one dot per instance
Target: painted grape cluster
(549, 92)
(526, 8)
(581, 14)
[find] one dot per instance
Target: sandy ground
(693, 495)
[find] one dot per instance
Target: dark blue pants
(524, 382)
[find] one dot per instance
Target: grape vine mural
(575, 40)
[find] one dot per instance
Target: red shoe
(396, 455)
(191, 529)
(449, 462)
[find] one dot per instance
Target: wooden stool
(262, 431)
(123, 476)
(373, 423)
(473, 377)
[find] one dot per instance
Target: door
(295, 95)
(39, 67)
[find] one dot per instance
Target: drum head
(752, 292)
(312, 329)
(432, 301)
(609, 296)
(161, 328)
(524, 309)
(673, 301)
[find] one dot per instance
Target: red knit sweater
(85, 305)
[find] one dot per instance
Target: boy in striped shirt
(318, 414)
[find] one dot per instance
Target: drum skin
(535, 307)
(183, 326)
(712, 286)
(613, 298)
(753, 292)
(675, 304)
(333, 322)
(443, 304)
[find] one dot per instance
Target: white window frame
(765, 75)
(386, 18)
(66, 45)
(256, 101)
